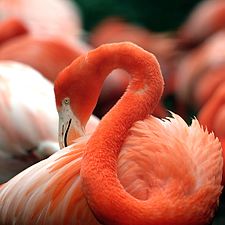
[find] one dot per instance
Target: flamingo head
(70, 126)
(76, 97)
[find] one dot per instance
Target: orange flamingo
(172, 175)
(113, 88)
(212, 116)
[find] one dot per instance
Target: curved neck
(107, 198)
(208, 112)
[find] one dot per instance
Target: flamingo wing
(26, 103)
(48, 192)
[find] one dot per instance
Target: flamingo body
(54, 184)
(55, 202)
(141, 174)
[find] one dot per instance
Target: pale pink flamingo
(170, 173)
(26, 101)
(59, 18)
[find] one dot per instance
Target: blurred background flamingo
(29, 121)
(63, 20)
(201, 70)
(212, 116)
(11, 28)
(48, 56)
(198, 74)
(207, 18)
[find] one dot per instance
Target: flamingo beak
(70, 128)
(64, 127)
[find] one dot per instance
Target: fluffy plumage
(156, 168)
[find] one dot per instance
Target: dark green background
(159, 15)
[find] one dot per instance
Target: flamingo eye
(66, 101)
